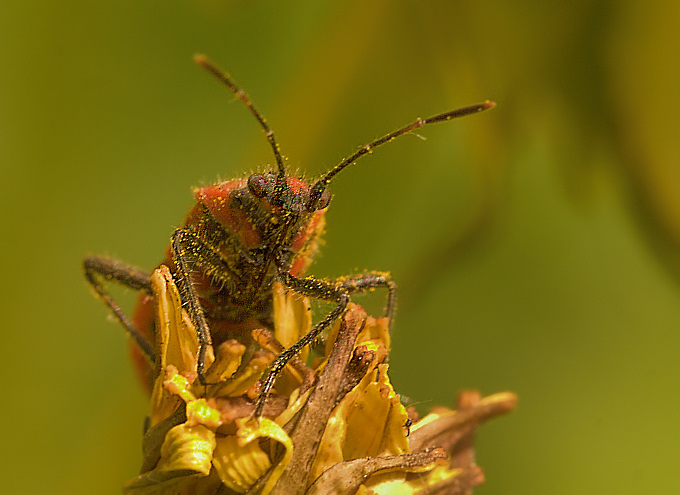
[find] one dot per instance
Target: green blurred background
(537, 245)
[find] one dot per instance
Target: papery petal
(239, 460)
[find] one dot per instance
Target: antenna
(321, 184)
(224, 78)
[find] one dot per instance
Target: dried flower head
(337, 427)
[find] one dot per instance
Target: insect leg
(372, 280)
(188, 248)
(97, 269)
(313, 288)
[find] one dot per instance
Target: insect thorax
(249, 243)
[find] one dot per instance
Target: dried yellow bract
(335, 428)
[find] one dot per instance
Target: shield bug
(240, 237)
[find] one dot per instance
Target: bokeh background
(537, 245)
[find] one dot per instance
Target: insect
(240, 237)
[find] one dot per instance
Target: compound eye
(323, 200)
(256, 185)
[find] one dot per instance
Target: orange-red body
(245, 232)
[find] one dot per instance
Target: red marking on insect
(240, 237)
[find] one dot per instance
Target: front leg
(310, 287)
(188, 248)
(337, 291)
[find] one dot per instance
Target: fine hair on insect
(240, 238)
